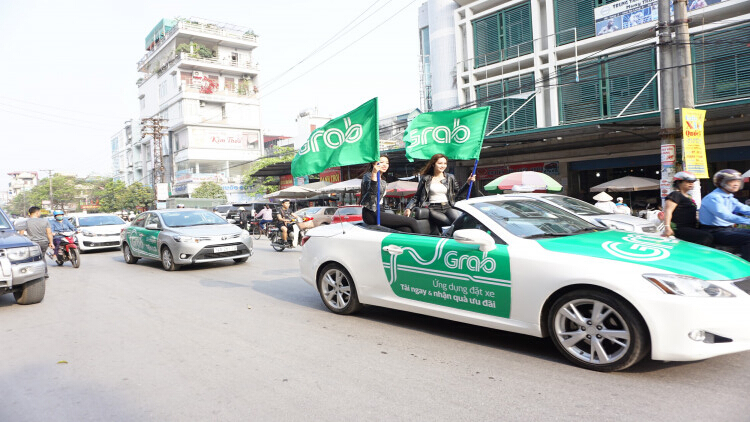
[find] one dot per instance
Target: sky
(69, 68)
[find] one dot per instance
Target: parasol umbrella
(530, 180)
(351, 184)
(292, 192)
(317, 186)
(745, 176)
(401, 188)
(627, 184)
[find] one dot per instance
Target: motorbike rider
(264, 216)
(61, 224)
(286, 219)
(720, 212)
(680, 212)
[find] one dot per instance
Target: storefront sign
(332, 175)
(286, 181)
(624, 14)
(693, 145)
(223, 139)
(551, 168)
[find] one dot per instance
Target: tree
(114, 196)
(139, 196)
(210, 190)
(263, 185)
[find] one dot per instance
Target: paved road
(226, 342)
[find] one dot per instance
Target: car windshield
(529, 218)
(308, 211)
(4, 224)
(190, 218)
(100, 220)
(576, 206)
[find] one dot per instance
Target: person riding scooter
(60, 225)
(286, 219)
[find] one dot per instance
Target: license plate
(225, 249)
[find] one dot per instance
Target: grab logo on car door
(444, 272)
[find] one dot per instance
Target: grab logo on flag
(440, 134)
(457, 134)
(333, 137)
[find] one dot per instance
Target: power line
(57, 108)
(345, 47)
(30, 110)
(52, 121)
(329, 41)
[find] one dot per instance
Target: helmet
(54, 213)
(727, 175)
(180, 205)
(683, 176)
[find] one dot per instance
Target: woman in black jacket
(369, 199)
(440, 190)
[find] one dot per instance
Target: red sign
(489, 173)
(332, 175)
(286, 181)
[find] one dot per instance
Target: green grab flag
(353, 138)
(458, 134)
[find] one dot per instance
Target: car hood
(11, 239)
(623, 218)
(207, 230)
(659, 252)
(108, 229)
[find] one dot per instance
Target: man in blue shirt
(720, 212)
(61, 224)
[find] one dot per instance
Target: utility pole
(154, 126)
(51, 204)
(666, 100)
(684, 56)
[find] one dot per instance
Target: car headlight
(180, 238)
(618, 225)
(245, 234)
(19, 254)
(87, 233)
(683, 285)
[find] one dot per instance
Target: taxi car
(606, 298)
(97, 231)
(597, 216)
(179, 237)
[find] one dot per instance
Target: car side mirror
(475, 237)
(152, 226)
(231, 220)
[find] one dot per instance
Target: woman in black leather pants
(369, 199)
(440, 190)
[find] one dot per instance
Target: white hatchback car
(98, 231)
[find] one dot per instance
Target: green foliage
(209, 190)
(199, 50)
(139, 196)
(116, 196)
(269, 184)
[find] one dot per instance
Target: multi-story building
(131, 156)
(21, 181)
(573, 85)
(201, 77)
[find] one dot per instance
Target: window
(465, 221)
(604, 86)
(722, 67)
(139, 221)
(153, 219)
(503, 35)
(162, 89)
(578, 14)
(329, 211)
(504, 98)
(143, 102)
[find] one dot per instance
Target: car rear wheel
(31, 292)
(128, 254)
(597, 330)
(337, 290)
(167, 260)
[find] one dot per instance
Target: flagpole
(471, 184)
(378, 204)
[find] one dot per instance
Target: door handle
(393, 250)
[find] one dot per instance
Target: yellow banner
(693, 144)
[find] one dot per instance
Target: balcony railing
(198, 88)
(223, 61)
(206, 28)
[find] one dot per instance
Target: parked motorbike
(655, 216)
(68, 250)
(293, 237)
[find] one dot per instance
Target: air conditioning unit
(201, 103)
(197, 74)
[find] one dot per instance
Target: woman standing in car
(680, 212)
(440, 190)
(369, 199)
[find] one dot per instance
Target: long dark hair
(367, 168)
(429, 168)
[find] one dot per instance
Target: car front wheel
(337, 290)
(597, 330)
(167, 260)
(31, 292)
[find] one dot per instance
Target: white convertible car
(607, 298)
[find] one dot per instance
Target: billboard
(629, 13)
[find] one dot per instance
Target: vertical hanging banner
(693, 145)
(458, 134)
(353, 138)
